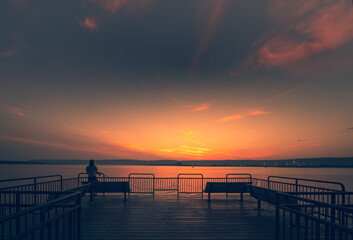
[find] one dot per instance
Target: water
(343, 175)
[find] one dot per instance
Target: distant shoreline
(286, 163)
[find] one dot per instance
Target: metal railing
(322, 211)
(296, 186)
(56, 219)
(311, 219)
(189, 185)
(142, 184)
(32, 183)
(248, 178)
(184, 183)
(336, 197)
(14, 201)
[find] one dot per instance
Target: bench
(227, 187)
(270, 196)
(109, 187)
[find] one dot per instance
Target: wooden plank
(168, 218)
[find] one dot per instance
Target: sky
(167, 79)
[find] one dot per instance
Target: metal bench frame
(109, 187)
(227, 187)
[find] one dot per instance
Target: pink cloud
(232, 117)
(193, 108)
(89, 23)
(202, 107)
(307, 28)
(257, 112)
(14, 110)
(216, 8)
(17, 111)
(241, 116)
(9, 53)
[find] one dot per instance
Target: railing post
(18, 208)
(61, 182)
(268, 182)
(296, 185)
(333, 215)
(153, 185)
(35, 189)
(277, 219)
(202, 187)
(178, 188)
(78, 202)
(41, 231)
(297, 222)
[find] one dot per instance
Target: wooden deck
(166, 217)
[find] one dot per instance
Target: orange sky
(196, 79)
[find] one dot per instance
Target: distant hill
(303, 162)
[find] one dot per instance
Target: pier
(51, 207)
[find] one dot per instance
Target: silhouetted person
(92, 171)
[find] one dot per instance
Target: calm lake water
(343, 175)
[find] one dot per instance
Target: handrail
(307, 180)
(24, 229)
(238, 174)
(37, 207)
(146, 174)
(34, 192)
(321, 193)
(26, 178)
(189, 174)
(34, 180)
(41, 225)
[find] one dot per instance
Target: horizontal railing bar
(321, 193)
(316, 219)
(31, 205)
(34, 192)
(27, 178)
(294, 185)
(38, 183)
(38, 207)
(308, 180)
(41, 225)
(150, 174)
(323, 204)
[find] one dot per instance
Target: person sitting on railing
(92, 171)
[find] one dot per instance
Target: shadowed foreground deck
(166, 217)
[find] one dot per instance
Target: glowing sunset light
(258, 112)
(202, 107)
(114, 79)
(232, 117)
